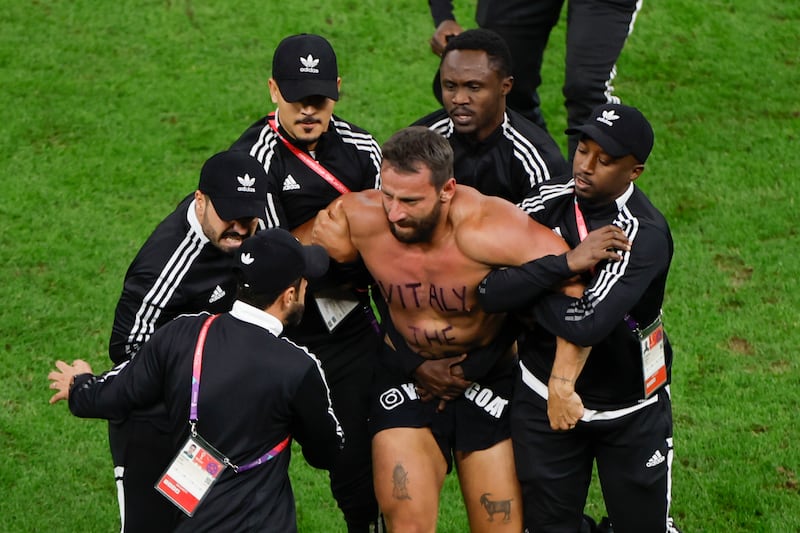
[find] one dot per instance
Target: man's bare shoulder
(472, 210)
(496, 232)
(364, 211)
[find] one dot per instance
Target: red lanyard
(310, 161)
(582, 230)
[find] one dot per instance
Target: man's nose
(395, 213)
(460, 96)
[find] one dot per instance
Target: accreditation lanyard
(309, 161)
(651, 338)
(198, 465)
(197, 367)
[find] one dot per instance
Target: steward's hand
(62, 379)
(439, 39)
(437, 379)
(606, 243)
(564, 406)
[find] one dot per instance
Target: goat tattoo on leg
(499, 506)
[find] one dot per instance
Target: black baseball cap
(271, 260)
(305, 65)
(236, 184)
(620, 130)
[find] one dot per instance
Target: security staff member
(253, 390)
(496, 150)
(311, 157)
(596, 33)
(613, 406)
(185, 266)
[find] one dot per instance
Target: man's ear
(636, 172)
(289, 296)
(448, 190)
(199, 204)
(506, 85)
(274, 91)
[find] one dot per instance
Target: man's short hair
(411, 147)
(260, 300)
(486, 41)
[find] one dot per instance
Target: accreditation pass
(654, 363)
(191, 475)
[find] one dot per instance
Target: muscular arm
(332, 231)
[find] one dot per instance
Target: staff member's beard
(295, 315)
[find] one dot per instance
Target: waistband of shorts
(589, 415)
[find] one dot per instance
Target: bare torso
(431, 288)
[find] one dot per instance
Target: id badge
(191, 474)
(334, 306)
(654, 364)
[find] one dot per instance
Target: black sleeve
(514, 288)
(354, 273)
(441, 10)
(133, 384)
(479, 362)
(314, 423)
(613, 292)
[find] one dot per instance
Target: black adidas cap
(305, 65)
(271, 260)
(620, 130)
(236, 184)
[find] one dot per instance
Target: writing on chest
(419, 295)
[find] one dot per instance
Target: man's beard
(295, 314)
(423, 228)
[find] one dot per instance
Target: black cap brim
(317, 261)
(237, 209)
(606, 142)
(296, 90)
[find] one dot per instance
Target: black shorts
(476, 420)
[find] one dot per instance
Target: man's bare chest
(442, 281)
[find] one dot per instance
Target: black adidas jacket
(296, 193)
(617, 296)
(255, 389)
(509, 163)
(177, 271)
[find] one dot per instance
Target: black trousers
(596, 34)
(349, 368)
(141, 452)
(633, 454)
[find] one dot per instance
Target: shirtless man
(428, 243)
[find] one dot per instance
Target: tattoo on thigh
(496, 506)
(399, 482)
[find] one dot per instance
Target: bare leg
(490, 488)
(409, 470)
